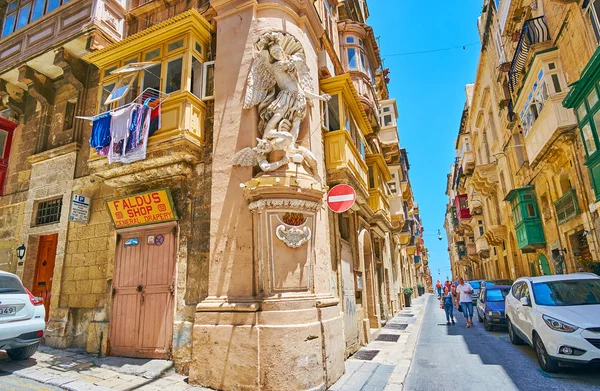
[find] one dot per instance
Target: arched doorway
(543, 265)
(370, 297)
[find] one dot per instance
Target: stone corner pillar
(269, 321)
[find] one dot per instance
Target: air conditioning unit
(326, 68)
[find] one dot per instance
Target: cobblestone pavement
(73, 370)
(388, 369)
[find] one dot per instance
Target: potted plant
(420, 288)
(505, 67)
(503, 104)
(407, 296)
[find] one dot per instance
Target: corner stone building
(206, 268)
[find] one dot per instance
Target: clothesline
(148, 93)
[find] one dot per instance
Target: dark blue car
(491, 306)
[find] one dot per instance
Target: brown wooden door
(44, 269)
(142, 309)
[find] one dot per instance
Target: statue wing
(246, 157)
(303, 72)
(260, 80)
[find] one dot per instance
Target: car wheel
(487, 325)
(546, 362)
(514, 338)
(22, 353)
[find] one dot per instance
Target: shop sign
(80, 209)
(152, 207)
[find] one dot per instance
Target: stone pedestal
(286, 337)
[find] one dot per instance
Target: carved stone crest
(293, 237)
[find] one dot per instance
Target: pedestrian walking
(438, 286)
(447, 304)
(464, 291)
(448, 284)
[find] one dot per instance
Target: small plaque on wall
(358, 280)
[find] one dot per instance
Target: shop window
(48, 212)
(208, 81)
(174, 69)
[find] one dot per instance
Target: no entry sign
(341, 198)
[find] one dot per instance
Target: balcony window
(357, 56)
(539, 94)
(20, 13)
(526, 215)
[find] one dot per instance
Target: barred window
(48, 212)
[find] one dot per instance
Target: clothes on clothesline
(122, 134)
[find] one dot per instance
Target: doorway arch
(543, 265)
(370, 297)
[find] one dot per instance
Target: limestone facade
(251, 282)
(521, 193)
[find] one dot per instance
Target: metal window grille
(48, 212)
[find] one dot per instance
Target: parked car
(476, 285)
(491, 306)
(559, 316)
(21, 318)
(497, 282)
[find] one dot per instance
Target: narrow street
(474, 359)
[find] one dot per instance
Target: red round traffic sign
(341, 198)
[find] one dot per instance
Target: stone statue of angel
(281, 86)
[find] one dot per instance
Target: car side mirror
(525, 301)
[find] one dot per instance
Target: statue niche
(281, 86)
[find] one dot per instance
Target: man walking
(464, 292)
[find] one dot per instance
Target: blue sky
(430, 93)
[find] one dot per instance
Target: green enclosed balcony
(528, 224)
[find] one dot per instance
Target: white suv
(21, 318)
(559, 316)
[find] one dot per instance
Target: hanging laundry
(100, 136)
(119, 131)
(155, 117)
(139, 151)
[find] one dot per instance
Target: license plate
(8, 311)
(495, 320)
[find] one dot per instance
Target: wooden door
(44, 269)
(142, 309)
(349, 295)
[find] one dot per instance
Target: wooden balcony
(79, 26)
(397, 211)
(482, 247)
(467, 162)
(343, 161)
(553, 119)
(182, 130)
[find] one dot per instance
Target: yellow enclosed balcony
(167, 61)
(379, 176)
(345, 125)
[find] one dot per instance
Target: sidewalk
(74, 370)
(393, 350)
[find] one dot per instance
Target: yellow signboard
(152, 207)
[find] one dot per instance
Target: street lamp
(439, 235)
(21, 251)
